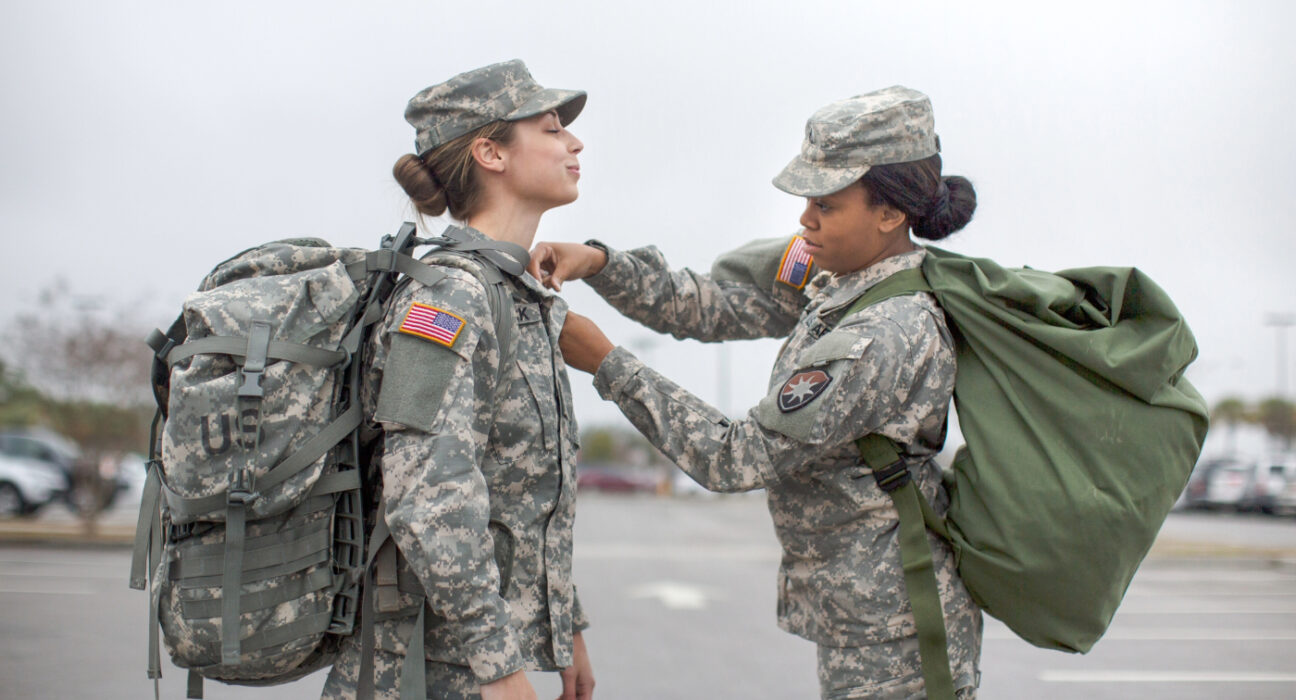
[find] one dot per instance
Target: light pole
(1281, 322)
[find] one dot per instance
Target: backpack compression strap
(885, 459)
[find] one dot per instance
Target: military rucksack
(253, 510)
(1080, 432)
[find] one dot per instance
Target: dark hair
(936, 206)
(444, 178)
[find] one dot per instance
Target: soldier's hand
(514, 686)
(578, 679)
(555, 263)
(583, 344)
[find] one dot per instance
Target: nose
(808, 219)
(576, 146)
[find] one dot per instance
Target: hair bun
(950, 210)
(419, 182)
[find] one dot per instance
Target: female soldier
(478, 452)
(870, 172)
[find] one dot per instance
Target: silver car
(1250, 484)
(26, 485)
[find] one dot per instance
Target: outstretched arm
(742, 297)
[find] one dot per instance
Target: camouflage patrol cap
(846, 138)
(498, 92)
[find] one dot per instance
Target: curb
(71, 533)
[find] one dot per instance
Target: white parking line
(1167, 677)
(673, 552)
(13, 590)
(1160, 634)
(98, 575)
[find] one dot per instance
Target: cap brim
(805, 179)
(568, 104)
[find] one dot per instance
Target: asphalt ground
(681, 594)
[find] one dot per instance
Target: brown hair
(445, 177)
(936, 206)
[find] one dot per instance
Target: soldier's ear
(488, 155)
(892, 219)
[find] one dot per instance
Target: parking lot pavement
(681, 592)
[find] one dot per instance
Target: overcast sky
(143, 142)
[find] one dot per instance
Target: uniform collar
(841, 290)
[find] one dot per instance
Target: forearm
(686, 304)
(719, 454)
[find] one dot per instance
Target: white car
(26, 485)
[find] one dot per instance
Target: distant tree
(599, 445)
(1278, 416)
(1230, 411)
(72, 348)
(20, 404)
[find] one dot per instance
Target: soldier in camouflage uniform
(478, 453)
(870, 171)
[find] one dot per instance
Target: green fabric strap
(413, 680)
(901, 283)
(186, 509)
(231, 584)
(881, 454)
(318, 580)
(147, 528)
(236, 347)
(920, 582)
(308, 626)
(195, 690)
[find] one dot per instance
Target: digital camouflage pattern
(844, 139)
(307, 294)
(443, 681)
(301, 287)
(892, 366)
(843, 673)
(478, 483)
(498, 92)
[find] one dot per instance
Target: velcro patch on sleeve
(795, 266)
(802, 388)
(430, 323)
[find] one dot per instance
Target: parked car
(1194, 493)
(63, 455)
(1285, 500)
(1250, 484)
(615, 479)
(26, 485)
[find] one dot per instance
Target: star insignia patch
(802, 388)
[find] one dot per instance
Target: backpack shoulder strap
(881, 454)
(498, 295)
(900, 284)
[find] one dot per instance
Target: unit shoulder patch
(430, 323)
(802, 388)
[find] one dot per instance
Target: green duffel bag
(1080, 433)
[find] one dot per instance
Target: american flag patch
(795, 267)
(432, 323)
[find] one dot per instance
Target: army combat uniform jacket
(887, 369)
(477, 468)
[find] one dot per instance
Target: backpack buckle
(240, 489)
(251, 386)
(892, 476)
